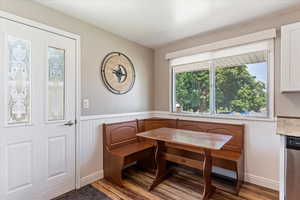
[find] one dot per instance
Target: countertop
(289, 126)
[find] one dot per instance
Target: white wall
(95, 44)
(262, 147)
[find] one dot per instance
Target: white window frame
(176, 66)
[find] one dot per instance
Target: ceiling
(153, 23)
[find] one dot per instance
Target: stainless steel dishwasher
(292, 186)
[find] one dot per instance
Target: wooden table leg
(161, 172)
(208, 188)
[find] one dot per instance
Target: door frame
(34, 24)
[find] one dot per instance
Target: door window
(19, 80)
(56, 84)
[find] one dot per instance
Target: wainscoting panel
(91, 143)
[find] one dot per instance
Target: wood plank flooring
(184, 184)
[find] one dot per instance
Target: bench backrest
(154, 123)
(235, 130)
(119, 134)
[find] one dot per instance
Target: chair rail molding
(93, 117)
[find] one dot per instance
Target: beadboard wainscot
(91, 143)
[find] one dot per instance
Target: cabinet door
(290, 58)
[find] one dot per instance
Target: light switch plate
(86, 103)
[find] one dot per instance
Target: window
(230, 82)
(192, 91)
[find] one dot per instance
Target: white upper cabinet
(290, 58)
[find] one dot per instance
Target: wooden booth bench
(118, 135)
(121, 147)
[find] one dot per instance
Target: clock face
(117, 73)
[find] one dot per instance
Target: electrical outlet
(86, 103)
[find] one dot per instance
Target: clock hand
(119, 73)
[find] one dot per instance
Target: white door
(37, 113)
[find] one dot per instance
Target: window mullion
(212, 73)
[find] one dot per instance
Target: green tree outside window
(237, 91)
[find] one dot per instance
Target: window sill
(241, 118)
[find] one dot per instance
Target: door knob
(69, 123)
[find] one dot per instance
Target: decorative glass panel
(18, 87)
(56, 84)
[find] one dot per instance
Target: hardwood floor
(184, 184)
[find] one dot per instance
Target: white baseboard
(250, 178)
(91, 178)
(261, 181)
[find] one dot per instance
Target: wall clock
(117, 73)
